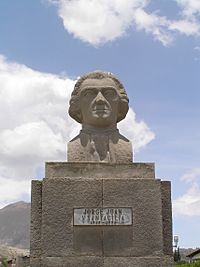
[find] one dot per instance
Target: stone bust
(99, 101)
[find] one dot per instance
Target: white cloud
(98, 21)
(192, 176)
(101, 21)
(138, 132)
(34, 123)
(35, 126)
(189, 24)
(189, 203)
(154, 24)
(12, 190)
(189, 7)
(189, 28)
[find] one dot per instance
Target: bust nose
(100, 98)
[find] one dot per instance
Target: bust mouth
(99, 108)
(101, 111)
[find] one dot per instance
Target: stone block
(36, 218)
(82, 261)
(167, 217)
(117, 240)
(52, 262)
(88, 240)
(95, 261)
(60, 197)
(58, 242)
(144, 197)
(137, 262)
(35, 262)
(99, 170)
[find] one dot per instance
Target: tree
(3, 261)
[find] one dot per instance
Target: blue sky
(154, 49)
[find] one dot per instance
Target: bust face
(99, 101)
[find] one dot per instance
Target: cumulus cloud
(189, 203)
(98, 21)
(191, 176)
(34, 122)
(189, 28)
(13, 190)
(101, 21)
(190, 8)
(35, 126)
(139, 133)
(189, 23)
(153, 24)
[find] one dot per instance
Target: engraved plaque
(103, 216)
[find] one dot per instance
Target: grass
(195, 264)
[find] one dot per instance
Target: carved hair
(74, 108)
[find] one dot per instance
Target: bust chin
(98, 103)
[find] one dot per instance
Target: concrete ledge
(84, 261)
(138, 262)
(87, 261)
(99, 170)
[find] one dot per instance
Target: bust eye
(109, 93)
(89, 93)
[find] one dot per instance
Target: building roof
(193, 253)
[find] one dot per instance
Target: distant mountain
(15, 225)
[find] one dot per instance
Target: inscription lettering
(103, 216)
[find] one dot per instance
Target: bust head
(98, 100)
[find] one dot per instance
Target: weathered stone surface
(36, 219)
(137, 262)
(167, 217)
(83, 261)
(60, 196)
(116, 148)
(88, 261)
(117, 241)
(144, 197)
(35, 262)
(148, 198)
(99, 170)
(88, 241)
(52, 262)
(98, 102)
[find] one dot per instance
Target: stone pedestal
(56, 241)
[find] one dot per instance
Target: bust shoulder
(115, 148)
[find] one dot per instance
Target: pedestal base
(56, 241)
(93, 261)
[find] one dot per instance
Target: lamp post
(176, 250)
(176, 239)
